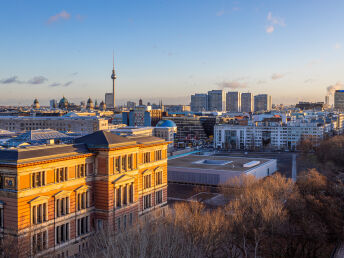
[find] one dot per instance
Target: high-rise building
(246, 102)
(53, 104)
(327, 100)
(217, 100)
(262, 102)
(199, 102)
(339, 100)
(109, 99)
(233, 101)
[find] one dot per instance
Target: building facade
(247, 102)
(339, 100)
(142, 116)
(275, 136)
(217, 100)
(78, 124)
(53, 198)
(199, 102)
(262, 102)
(233, 101)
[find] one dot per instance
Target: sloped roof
(42, 152)
(147, 139)
(104, 139)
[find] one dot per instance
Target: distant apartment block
(339, 100)
(67, 123)
(233, 101)
(262, 102)
(109, 100)
(199, 102)
(217, 100)
(247, 102)
(142, 116)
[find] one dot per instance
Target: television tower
(113, 77)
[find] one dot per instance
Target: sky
(291, 49)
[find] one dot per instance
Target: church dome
(166, 123)
(36, 104)
(63, 103)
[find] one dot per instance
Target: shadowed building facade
(53, 197)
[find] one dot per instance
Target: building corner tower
(113, 77)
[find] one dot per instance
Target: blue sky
(170, 49)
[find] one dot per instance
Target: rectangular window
(83, 200)
(124, 163)
(147, 181)
(158, 197)
(39, 213)
(62, 206)
(38, 179)
(81, 170)
(119, 196)
(39, 242)
(124, 221)
(147, 201)
(62, 233)
(158, 155)
(158, 178)
(125, 195)
(117, 164)
(131, 218)
(118, 223)
(61, 175)
(83, 226)
(130, 162)
(131, 193)
(146, 157)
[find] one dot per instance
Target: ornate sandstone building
(53, 197)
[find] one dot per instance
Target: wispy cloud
(67, 83)
(63, 15)
(37, 80)
(34, 80)
(13, 79)
(277, 76)
(55, 84)
(337, 45)
(273, 22)
(231, 85)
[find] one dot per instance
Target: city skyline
(169, 50)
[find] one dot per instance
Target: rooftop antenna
(113, 59)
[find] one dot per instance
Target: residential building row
(219, 100)
(268, 135)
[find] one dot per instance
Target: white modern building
(216, 170)
(277, 136)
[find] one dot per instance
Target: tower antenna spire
(113, 59)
